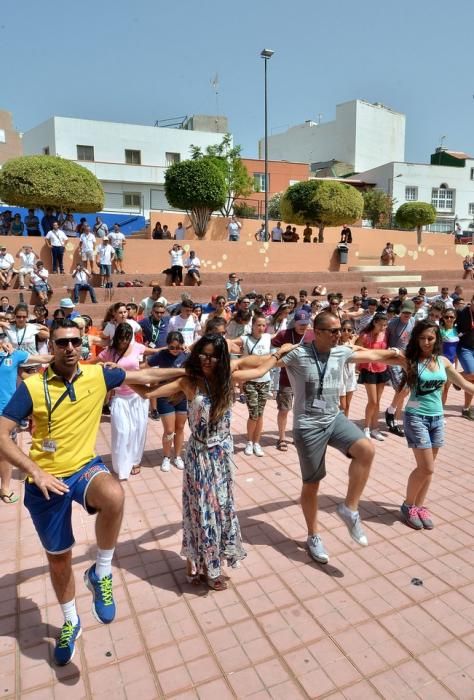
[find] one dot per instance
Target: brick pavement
(286, 628)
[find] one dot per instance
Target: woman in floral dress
(211, 531)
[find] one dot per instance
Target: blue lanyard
(321, 370)
(69, 391)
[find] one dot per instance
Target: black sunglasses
(332, 331)
(64, 342)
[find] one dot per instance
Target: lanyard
(321, 370)
(402, 331)
(68, 392)
(253, 346)
(293, 337)
(18, 341)
(155, 331)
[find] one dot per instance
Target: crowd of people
(192, 361)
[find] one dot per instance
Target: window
(442, 199)
(471, 208)
(133, 157)
(46, 151)
(472, 173)
(132, 199)
(259, 182)
(85, 152)
(2, 136)
(172, 158)
(411, 194)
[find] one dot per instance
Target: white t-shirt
(87, 241)
(233, 229)
(109, 330)
(192, 262)
(116, 239)
(105, 252)
(147, 304)
(277, 233)
(27, 259)
(23, 338)
(180, 234)
(176, 258)
(81, 277)
(56, 238)
(189, 327)
(38, 277)
(6, 261)
(262, 346)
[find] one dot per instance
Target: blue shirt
(166, 359)
(8, 374)
(155, 332)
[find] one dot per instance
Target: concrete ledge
(376, 268)
(395, 278)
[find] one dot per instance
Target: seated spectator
(27, 259)
(287, 235)
(192, 265)
(388, 255)
(468, 267)
(7, 271)
(233, 288)
(39, 280)
(166, 233)
(81, 277)
(17, 226)
(32, 224)
(147, 303)
(5, 306)
(48, 220)
(67, 306)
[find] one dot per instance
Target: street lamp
(266, 54)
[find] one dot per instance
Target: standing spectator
(295, 236)
(5, 306)
(148, 303)
(17, 226)
(349, 379)
(233, 229)
(443, 297)
(465, 351)
(457, 234)
(176, 256)
(303, 300)
(192, 265)
(81, 226)
(233, 288)
(87, 246)
(69, 226)
(27, 258)
(277, 233)
(346, 234)
(186, 323)
(105, 256)
(7, 271)
(373, 375)
(56, 238)
(307, 233)
(468, 267)
(5, 222)
(101, 230)
(117, 241)
(48, 220)
(261, 234)
(81, 277)
(268, 307)
(32, 224)
(287, 235)
(222, 310)
(399, 331)
(364, 297)
(180, 232)
(39, 280)
(157, 233)
(399, 300)
(166, 233)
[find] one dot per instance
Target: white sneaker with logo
(178, 463)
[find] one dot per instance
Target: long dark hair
(413, 351)
(123, 333)
(379, 316)
(220, 384)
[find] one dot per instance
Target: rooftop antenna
(319, 118)
(215, 86)
(441, 141)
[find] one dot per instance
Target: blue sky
(154, 59)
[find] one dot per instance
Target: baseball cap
(67, 303)
(302, 317)
(408, 306)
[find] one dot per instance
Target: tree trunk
(418, 234)
(200, 220)
(321, 234)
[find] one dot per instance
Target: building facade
(10, 140)
(281, 175)
(130, 160)
(363, 135)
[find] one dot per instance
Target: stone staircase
(388, 278)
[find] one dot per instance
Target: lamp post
(266, 54)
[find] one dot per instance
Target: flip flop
(136, 470)
(9, 497)
(217, 584)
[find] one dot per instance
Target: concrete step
(411, 291)
(394, 278)
(376, 268)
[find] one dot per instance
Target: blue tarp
(129, 223)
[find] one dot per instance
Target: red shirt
(290, 336)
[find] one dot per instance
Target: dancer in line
(373, 375)
(349, 379)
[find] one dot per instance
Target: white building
(450, 188)
(130, 160)
(363, 134)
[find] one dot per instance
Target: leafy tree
(49, 181)
(415, 215)
(197, 186)
(226, 157)
(377, 206)
(321, 203)
(274, 207)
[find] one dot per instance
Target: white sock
(391, 410)
(348, 510)
(103, 563)
(70, 612)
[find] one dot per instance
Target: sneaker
(248, 449)
(352, 522)
(66, 643)
(397, 430)
(377, 435)
(154, 415)
(468, 413)
(316, 549)
(389, 419)
(166, 465)
(410, 516)
(103, 605)
(178, 463)
(425, 517)
(257, 450)
(367, 433)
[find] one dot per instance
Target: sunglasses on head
(64, 342)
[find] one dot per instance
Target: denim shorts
(165, 407)
(423, 432)
(52, 519)
(105, 270)
(466, 359)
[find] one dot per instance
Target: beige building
(10, 140)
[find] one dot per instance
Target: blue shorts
(466, 359)
(423, 432)
(165, 407)
(52, 519)
(105, 270)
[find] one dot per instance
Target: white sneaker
(166, 465)
(248, 449)
(377, 435)
(178, 463)
(367, 433)
(257, 450)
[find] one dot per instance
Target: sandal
(136, 470)
(282, 445)
(9, 497)
(193, 579)
(217, 584)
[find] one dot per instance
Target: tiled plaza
(286, 628)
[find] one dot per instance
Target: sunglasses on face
(450, 317)
(203, 357)
(20, 317)
(64, 342)
(332, 331)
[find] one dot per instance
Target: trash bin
(343, 251)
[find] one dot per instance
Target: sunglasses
(332, 331)
(20, 317)
(203, 357)
(64, 342)
(450, 317)
(347, 330)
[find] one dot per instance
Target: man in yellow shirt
(62, 467)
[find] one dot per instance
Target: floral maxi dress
(211, 531)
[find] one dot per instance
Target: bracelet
(276, 356)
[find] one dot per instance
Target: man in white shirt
(81, 277)
(105, 256)
(233, 229)
(192, 265)
(101, 230)
(87, 246)
(180, 232)
(146, 304)
(117, 241)
(186, 323)
(444, 297)
(27, 261)
(39, 280)
(277, 233)
(7, 263)
(56, 239)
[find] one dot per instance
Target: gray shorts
(311, 444)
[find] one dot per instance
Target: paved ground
(286, 628)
